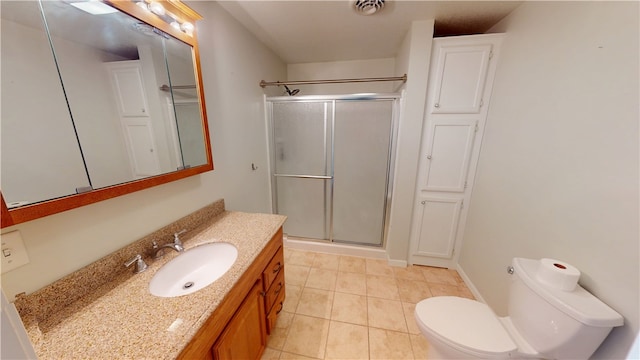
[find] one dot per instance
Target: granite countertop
(121, 319)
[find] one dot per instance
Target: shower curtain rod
(333, 81)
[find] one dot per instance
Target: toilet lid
(466, 324)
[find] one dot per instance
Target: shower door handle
(305, 176)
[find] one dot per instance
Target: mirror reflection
(92, 100)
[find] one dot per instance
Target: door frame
(395, 115)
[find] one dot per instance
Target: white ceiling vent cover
(368, 7)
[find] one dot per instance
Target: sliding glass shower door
(301, 166)
(331, 164)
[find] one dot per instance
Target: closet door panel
(141, 147)
(449, 151)
(129, 89)
(438, 224)
(460, 80)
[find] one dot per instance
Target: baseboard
(398, 263)
(470, 285)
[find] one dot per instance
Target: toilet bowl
(542, 322)
(460, 328)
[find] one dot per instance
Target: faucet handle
(140, 264)
(176, 236)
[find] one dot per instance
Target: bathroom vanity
(238, 327)
(106, 311)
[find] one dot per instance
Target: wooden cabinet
(239, 326)
(245, 336)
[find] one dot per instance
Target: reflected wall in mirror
(34, 112)
(94, 104)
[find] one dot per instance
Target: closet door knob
(429, 157)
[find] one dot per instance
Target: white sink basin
(193, 269)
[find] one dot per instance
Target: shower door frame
(395, 98)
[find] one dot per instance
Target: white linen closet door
(131, 99)
(460, 81)
(141, 147)
(449, 151)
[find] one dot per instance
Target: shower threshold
(306, 244)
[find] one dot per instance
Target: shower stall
(331, 165)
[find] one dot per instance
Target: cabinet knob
(143, 110)
(429, 157)
(436, 105)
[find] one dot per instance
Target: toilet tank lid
(579, 303)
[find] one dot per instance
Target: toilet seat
(466, 325)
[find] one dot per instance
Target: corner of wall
(413, 59)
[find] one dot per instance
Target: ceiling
(116, 33)
(331, 30)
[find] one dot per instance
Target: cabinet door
(129, 90)
(448, 153)
(438, 225)
(141, 147)
(245, 336)
(460, 78)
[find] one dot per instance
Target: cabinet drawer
(275, 310)
(275, 267)
(274, 292)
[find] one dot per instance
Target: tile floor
(344, 307)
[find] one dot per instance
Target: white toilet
(543, 322)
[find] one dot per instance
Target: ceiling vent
(368, 7)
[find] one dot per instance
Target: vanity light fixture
(171, 19)
(94, 7)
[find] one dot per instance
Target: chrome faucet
(158, 251)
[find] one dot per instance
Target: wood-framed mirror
(99, 99)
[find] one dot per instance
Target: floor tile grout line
(367, 296)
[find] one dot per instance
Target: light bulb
(143, 5)
(175, 25)
(157, 8)
(187, 27)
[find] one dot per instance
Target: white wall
(233, 63)
(154, 74)
(413, 59)
(29, 121)
(558, 171)
(341, 70)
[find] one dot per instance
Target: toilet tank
(558, 324)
